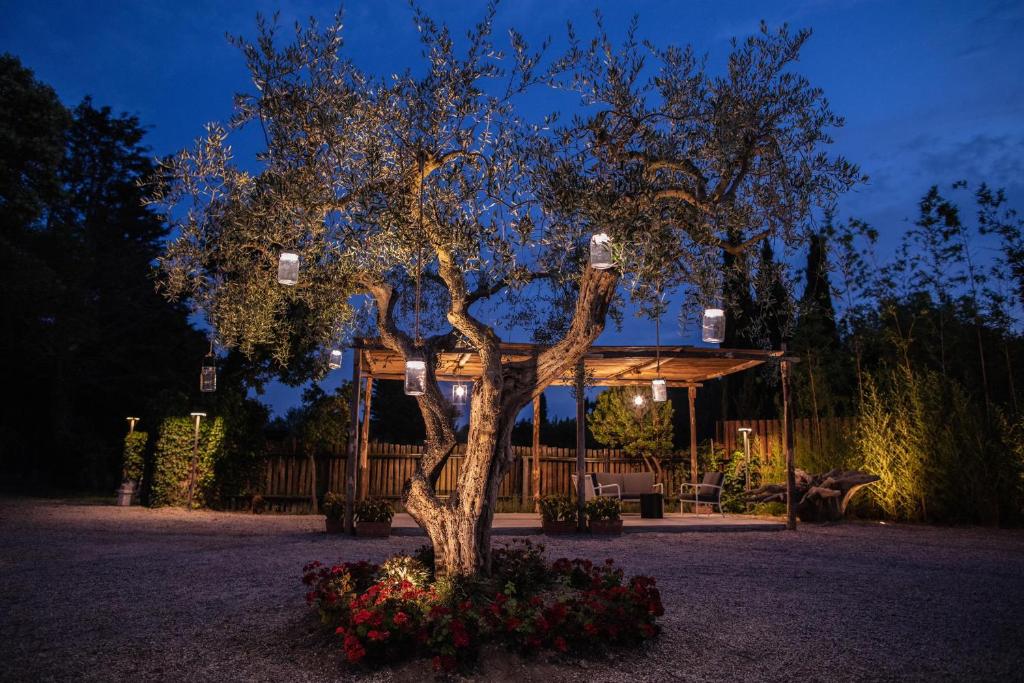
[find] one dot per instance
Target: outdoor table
(652, 505)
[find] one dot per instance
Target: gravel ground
(104, 593)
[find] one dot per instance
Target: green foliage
(333, 506)
(555, 508)
(936, 457)
(602, 508)
(644, 431)
(321, 422)
(90, 339)
(172, 469)
(134, 456)
(519, 567)
(373, 510)
(404, 568)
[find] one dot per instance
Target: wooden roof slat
(609, 365)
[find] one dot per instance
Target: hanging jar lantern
(415, 376)
(288, 268)
(334, 360)
(713, 326)
(460, 392)
(659, 392)
(208, 375)
(600, 251)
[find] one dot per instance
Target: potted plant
(558, 514)
(333, 508)
(603, 516)
(373, 518)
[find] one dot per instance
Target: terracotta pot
(550, 527)
(373, 529)
(607, 527)
(335, 526)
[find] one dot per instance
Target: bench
(624, 486)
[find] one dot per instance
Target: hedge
(173, 461)
(134, 456)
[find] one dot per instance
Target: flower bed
(394, 611)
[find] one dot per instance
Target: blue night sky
(931, 91)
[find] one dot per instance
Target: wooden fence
(766, 438)
(288, 478)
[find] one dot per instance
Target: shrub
(603, 508)
(519, 566)
(333, 506)
(527, 604)
(374, 511)
(557, 509)
(172, 467)
(331, 589)
(134, 456)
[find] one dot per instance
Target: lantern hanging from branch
(713, 326)
(208, 374)
(334, 360)
(415, 376)
(659, 392)
(600, 251)
(288, 268)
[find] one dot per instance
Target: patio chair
(707, 492)
(592, 491)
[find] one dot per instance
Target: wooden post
(352, 454)
(692, 395)
(581, 449)
(787, 441)
(364, 442)
(535, 454)
(313, 503)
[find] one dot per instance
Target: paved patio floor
(525, 523)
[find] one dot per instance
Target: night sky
(931, 91)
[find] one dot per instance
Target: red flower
(560, 644)
(354, 650)
(378, 635)
(512, 623)
(362, 616)
(400, 618)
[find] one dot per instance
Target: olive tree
(434, 196)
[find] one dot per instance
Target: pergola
(603, 366)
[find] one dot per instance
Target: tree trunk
(460, 527)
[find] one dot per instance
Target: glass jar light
(334, 360)
(415, 377)
(208, 376)
(288, 268)
(659, 392)
(600, 251)
(713, 326)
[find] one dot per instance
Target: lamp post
(195, 457)
(745, 431)
(131, 424)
